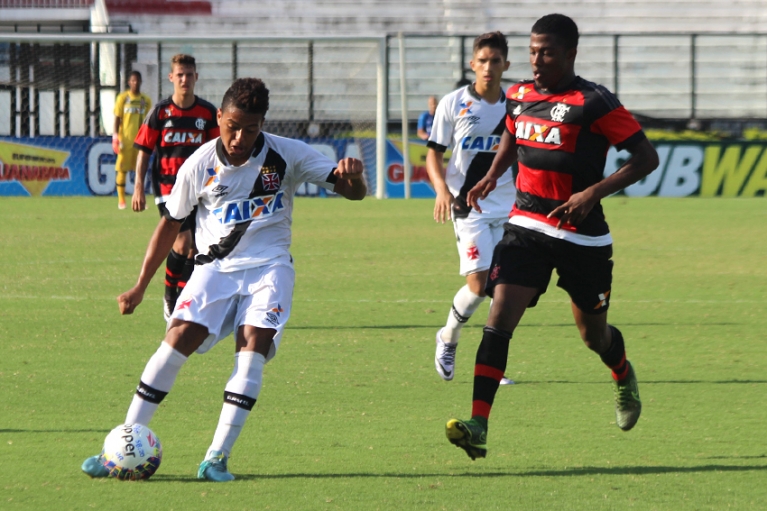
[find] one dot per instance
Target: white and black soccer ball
(132, 452)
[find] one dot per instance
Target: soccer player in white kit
(470, 120)
(243, 184)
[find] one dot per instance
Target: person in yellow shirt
(130, 109)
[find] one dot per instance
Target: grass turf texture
(352, 413)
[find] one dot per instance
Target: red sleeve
(618, 125)
(510, 124)
(148, 133)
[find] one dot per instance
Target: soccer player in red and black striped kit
(175, 128)
(558, 128)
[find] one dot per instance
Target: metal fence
(664, 76)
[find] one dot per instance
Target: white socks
(240, 393)
(464, 304)
(240, 396)
(156, 381)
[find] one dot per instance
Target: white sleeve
(183, 197)
(442, 126)
(311, 166)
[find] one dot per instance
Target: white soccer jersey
(473, 128)
(244, 213)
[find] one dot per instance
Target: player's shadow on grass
(518, 382)
(570, 472)
(481, 325)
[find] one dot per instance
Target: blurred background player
(426, 119)
(470, 120)
(245, 281)
(131, 107)
(559, 127)
(174, 129)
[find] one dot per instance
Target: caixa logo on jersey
(486, 144)
(182, 137)
(538, 133)
(249, 209)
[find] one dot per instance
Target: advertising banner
(705, 169)
(53, 166)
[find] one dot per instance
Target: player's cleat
(169, 302)
(444, 360)
(167, 308)
(627, 403)
(214, 468)
(121, 205)
(469, 436)
(94, 467)
(506, 381)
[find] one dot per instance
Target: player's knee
(251, 338)
(476, 282)
(185, 337)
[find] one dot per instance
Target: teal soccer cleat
(214, 468)
(94, 467)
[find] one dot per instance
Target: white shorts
(224, 301)
(476, 238)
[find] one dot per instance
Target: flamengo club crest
(270, 179)
(200, 123)
(559, 111)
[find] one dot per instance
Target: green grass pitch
(352, 413)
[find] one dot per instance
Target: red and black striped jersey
(174, 133)
(562, 140)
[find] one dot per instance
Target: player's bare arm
(351, 179)
(116, 135)
(644, 159)
(504, 158)
(436, 170)
(156, 253)
(139, 198)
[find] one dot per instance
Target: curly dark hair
(559, 25)
(247, 94)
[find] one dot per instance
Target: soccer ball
(132, 452)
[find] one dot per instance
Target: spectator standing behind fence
(130, 109)
(426, 119)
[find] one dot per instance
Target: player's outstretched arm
(138, 202)
(504, 158)
(644, 159)
(436, 171)
(351, 179)
(156, 253)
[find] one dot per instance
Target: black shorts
(189, 222)
(526, 258)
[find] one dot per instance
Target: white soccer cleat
(167, 310)
(444, 359)
(506, 381)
